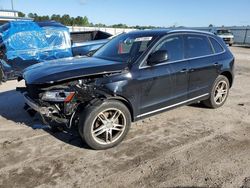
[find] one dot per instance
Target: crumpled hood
(69, 68)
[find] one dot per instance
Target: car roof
(162, 32)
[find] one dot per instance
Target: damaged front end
(61, 103)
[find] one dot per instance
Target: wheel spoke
(224, 92)
(107, 136)
(100, 132)
(118, 127)
(115, 116)
(217, 88)
(224, 86)
(110, 135)
(221, 86)
(217, 97)
(103, 118)
(220, 99)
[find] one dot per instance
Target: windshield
(125, 48)
(224, 32)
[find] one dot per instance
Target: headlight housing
(58, 96)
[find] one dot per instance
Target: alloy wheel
(221, 92)
(108, 126)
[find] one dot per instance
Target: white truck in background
(226, 35)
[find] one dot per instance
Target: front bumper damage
(45, 112)
(41, 110)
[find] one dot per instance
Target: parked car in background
(132, 77)
(85, 42)
(24, 43)
(226, 35)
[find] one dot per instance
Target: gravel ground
(190, 146)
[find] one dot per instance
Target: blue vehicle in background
(24, 43)
(87, 42)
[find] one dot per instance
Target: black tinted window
(217, 47)
(197, 46)
(174, 48)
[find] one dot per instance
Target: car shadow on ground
(198, 105)
(11, 108)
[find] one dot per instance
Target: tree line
(77, 21)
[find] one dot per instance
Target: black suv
(134, 76)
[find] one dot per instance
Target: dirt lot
(188, 147)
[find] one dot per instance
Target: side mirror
(157, 57)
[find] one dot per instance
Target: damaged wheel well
(126, 103)
(98, 101)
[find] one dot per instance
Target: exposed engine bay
(60, 103)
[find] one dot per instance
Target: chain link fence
(113, 31)
(241, 34)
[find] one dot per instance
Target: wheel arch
(99, 100)
(126, 103)
(229, 76)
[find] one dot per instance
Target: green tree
(31, 15)
(21, 14)
(120, 25)
(85, 21)
(56, 17)
(66, 19)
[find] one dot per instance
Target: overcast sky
(144, 12)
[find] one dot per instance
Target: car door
(203, 67)
(164, 84)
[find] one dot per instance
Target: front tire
(219, 93)
(104, 126)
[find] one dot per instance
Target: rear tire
(104, 126)
(219, 93)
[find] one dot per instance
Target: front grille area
(227, 39)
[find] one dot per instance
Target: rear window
(197, 46)
(217, 47)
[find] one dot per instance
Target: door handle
(216, 64)
(183, 71)
(191, 70)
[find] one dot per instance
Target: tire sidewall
(88, 116)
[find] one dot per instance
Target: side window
(125, 48)
(174, 47)
(197, 46)
(217, 47)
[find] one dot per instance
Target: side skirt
(189, 101)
